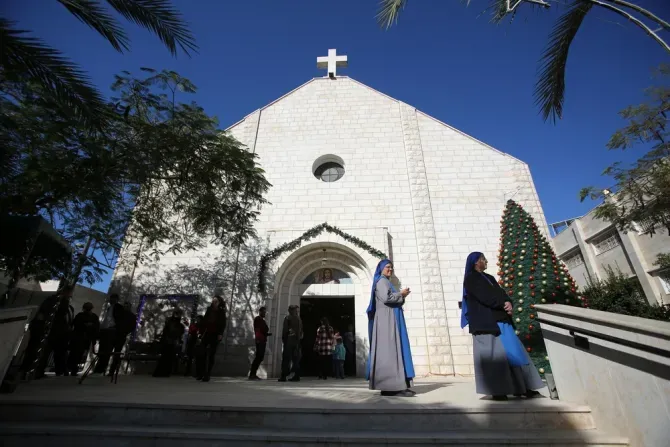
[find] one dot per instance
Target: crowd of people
(502, 365)
(71, 337)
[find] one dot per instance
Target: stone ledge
(644, 326)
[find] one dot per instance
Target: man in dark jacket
(261, 333)
(211, 330)
(84, 332)
(118, 322)
(291, 336)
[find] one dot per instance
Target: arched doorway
(329, 279)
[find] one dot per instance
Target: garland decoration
(306, 236)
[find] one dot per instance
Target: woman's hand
(404, 292)
(508, 307)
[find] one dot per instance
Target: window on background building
(574, 260)
(664, 277)
(606, 242)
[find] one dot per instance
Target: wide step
(495, 417)
(57, 435)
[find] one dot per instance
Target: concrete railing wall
(616, 364)
(12, 327)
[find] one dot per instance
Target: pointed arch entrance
(293, 286)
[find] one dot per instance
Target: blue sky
(443, 58)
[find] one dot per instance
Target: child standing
(339, 354)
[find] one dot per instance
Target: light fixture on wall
(323, 261)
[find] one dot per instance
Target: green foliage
(158, 172)
(619, 294)
(641, 194)
(28, 59)
(663, 261)
(306, 236)
(550, 85)
(531, 274)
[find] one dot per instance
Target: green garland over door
(306, 236)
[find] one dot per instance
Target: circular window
(329, 172)
(328, 168)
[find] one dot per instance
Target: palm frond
(550, 86)
(159, 17)
(388, 12)
(28, 59)
(93, 15)
(498, 10)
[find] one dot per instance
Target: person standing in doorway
(349, 341)
(213, 326)
(261, 334)
(390, 368)
(502, 365)
(339, 355)
(85, 331)
(323, 346)
(291, 337)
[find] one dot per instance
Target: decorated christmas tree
(530, 272)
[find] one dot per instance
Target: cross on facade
(331, 62)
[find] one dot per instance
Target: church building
(356, 175)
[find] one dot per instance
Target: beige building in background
(588, 246)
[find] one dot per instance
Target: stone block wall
(438, 193)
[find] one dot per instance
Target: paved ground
(227, 392)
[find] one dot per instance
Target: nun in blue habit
(390, 368)
(502, 365)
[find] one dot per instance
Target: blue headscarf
(469, 267)
(372, 307)
(400, 319)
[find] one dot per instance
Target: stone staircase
(364, 420)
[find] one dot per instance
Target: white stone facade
(414, 188)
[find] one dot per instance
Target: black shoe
(531, 394)
(501, 397)
(403, 393)
(295, 379)
(254, 378)
(411, 391)
(198, 378)
(205, 379)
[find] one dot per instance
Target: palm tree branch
(644, 12)
(550, 87)
(388, 12)
(636, 21)
(90, 13)
(28, 59)
(161, 18)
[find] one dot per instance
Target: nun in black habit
(502, 365)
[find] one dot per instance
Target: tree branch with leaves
(159, 173)
(640, 197)
(27, 58)
(550, 86)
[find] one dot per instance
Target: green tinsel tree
(530, 272)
